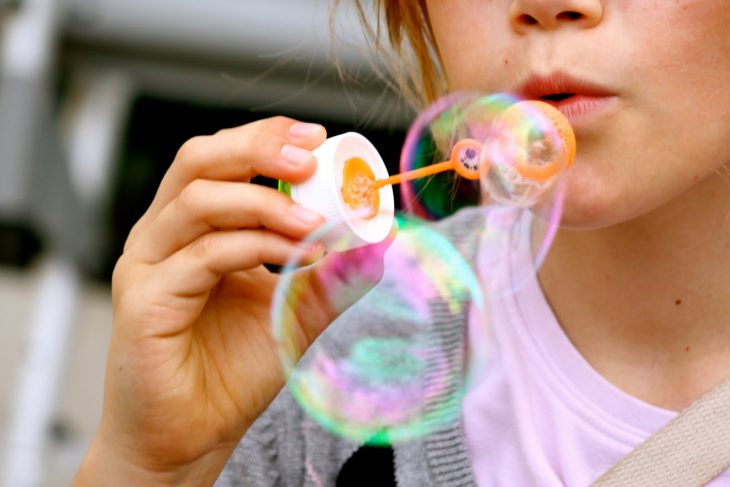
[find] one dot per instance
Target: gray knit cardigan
(285, 447)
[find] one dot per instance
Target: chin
(578, 216)
(591, 203)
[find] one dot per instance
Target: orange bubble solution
(358, 187)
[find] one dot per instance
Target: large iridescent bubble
(380, 373)
(392, 365)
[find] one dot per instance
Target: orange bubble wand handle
(467, 161)
(464, 160)
(414, 174)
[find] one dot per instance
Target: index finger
(277, 147)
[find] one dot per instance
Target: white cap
(345, 229)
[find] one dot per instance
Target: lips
(577, 99)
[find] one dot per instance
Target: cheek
(681, 80)
(685, 37)
(469, 35)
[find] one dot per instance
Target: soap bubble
(524, 145)
(392, 366)
(380, 374)
(430, 140)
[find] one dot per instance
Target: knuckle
(227, 130)
(121, 278)
(245, 142)
(131, 238)
(134, 233)
(272, 247)
(202, 247)
(118, 274)
(263, 139)
(259, 144)
(192, 196)
(277, 126)
(279, 122)
(190, 150)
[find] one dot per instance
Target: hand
(192, 363)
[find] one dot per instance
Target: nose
(552, 14)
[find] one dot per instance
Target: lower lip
(580, 109)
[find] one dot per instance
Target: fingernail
(305, 215)
(304, 129)
(295, 155)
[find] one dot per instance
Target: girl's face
(651, 78)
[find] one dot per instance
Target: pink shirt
(537, 414)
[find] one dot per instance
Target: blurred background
(96, 96)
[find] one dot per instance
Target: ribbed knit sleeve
(284, 447)
(269, 454)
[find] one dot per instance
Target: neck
(647, 301)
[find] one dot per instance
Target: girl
(626, 323)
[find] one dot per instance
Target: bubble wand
(464, 160)
(467, 160)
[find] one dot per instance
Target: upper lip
(537, 87)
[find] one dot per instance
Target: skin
(638, 278)
(192, 363)
(639, 275)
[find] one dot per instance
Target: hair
(409, 48)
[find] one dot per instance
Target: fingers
(197, 268)
(277, 147)
(205, 206)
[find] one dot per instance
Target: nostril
(525, 19)
(570, 15)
